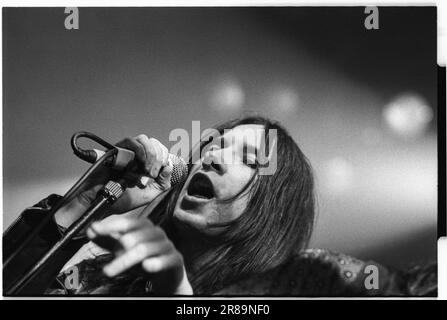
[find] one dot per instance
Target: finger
(156, 152)
(135, 256)
(150, 153)
(162, 262)
(164, 154)
(162, 158)
(131, 239)
(164, 179)
(109, 242)
(118, 224)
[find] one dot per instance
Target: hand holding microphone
(152, 161)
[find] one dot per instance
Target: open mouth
(201, 186)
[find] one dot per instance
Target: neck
(194, 247)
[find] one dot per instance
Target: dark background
(317, 70)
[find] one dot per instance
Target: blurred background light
(338, 175)
(371, 136)
(227, 96)
(285, 100)
(408, 115)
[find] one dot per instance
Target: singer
(226, 230)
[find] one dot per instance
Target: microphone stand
(104, 199)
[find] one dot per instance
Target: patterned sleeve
(321, 273)
(47, 236)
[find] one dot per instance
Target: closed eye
(249, 157)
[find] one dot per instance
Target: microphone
(125, 157)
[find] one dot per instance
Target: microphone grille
(180, 169)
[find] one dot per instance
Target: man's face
(224, 170)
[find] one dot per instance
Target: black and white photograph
(251, 151)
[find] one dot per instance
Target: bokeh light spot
(227, 96)
(408, 115)
(285, 100)
(338, 175)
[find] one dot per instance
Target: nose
(213, 161)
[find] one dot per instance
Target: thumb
(164, 178)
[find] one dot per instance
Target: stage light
(338, 175)
(228, 96)
(285, 100)
(408, 115)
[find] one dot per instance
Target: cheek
(227, 212)
(240, 177)
(239, 206)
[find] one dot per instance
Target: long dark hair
(276, 223)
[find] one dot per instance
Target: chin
(194, 218)
(197, 220)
